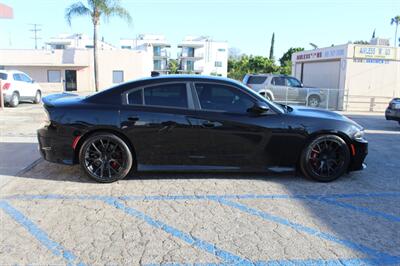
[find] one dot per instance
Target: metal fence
(327, 98)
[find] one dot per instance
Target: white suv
(18, 86)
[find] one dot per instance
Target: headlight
(359, 135)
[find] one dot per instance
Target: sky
(246, 25)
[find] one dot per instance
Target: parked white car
(18, 86)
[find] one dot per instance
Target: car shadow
(367, 227)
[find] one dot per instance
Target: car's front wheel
(325, 158)
(105, 157)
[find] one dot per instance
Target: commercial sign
(374, 52)
(326, 53)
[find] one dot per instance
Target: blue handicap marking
(39, 234)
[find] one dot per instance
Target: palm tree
(97, 9)
(396, 21)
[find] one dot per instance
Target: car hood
(320, 114)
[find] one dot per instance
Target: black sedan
(195, 123)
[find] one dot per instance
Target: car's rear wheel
(14, 100)
(105, 157)
(38, 97)
(325, 158)
(313, 101)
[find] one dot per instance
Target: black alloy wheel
(325, 159)
(105, 157)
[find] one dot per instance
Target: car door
(230, 136)
(155, 118)
(30, 89)
(279, 89)
(293, 86)
(19, 85)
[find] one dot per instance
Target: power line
(36, 28)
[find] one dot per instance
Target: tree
(96, 9)
(271, 49)
(395, 21)
(237, 68)
(373, 34)
(173, 66)
(288, 55)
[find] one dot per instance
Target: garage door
(322, 74)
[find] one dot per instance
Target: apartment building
(157, 45)
(76, 41)
(202, 55)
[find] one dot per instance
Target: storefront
(362, 76)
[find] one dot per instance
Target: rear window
(3, 76)
(256, 80)
(135, 97)
(169, 95)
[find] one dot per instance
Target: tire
(14, 101)
(105, 158)
(325, 158)
(313, 101)
(267, 96)
(38, 97)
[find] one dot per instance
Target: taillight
(6, 86)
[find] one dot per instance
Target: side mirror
(259, 108)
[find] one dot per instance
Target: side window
(17, 77)
(135, 97)
(278, 81)
(223, 98)
(25, 78)
(170, 95)
(292, 82)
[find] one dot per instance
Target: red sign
(6, 11)
(311, 55)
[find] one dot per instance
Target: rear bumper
(360, 152)
(392, 114)
(55, 148)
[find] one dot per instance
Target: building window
(53, 76)
(126, 47)
(118, 76)
(157, 50)
(221, 50)
(89, 46)
(59, 46)
(190, 65)
(218, 64)
(157, 64)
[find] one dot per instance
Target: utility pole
(36, 28)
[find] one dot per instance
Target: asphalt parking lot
(53, 214)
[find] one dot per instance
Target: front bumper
(358, 157)
(55, 148)
(392, 114)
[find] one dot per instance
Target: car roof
(267, 75)
(10, 71)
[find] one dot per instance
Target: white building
(202, 55)
(76, 41)
(360, 77)
(155, 44)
